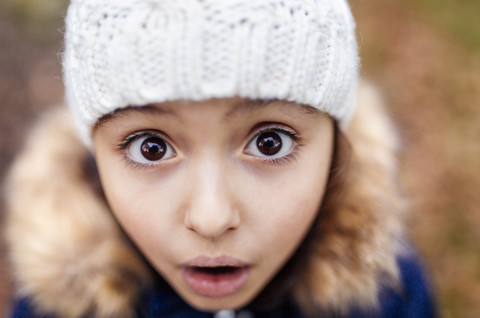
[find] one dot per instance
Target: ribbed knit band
(123, 53)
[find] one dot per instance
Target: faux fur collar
(70, 257)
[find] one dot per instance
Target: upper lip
(218, 261)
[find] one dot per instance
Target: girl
(233, 178)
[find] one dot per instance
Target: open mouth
(217, 271)
(216, 281)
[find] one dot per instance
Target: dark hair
(281, 287)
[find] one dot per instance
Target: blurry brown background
(424, 54)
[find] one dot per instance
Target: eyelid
(126, 141)
(274, 127)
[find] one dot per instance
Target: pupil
(153, 148)
(269, 143)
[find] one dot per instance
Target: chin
(211, 304)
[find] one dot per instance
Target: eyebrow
(150, 109)
(242, 105)
(248, 105)
(251, 105)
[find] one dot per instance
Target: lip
(215, 276)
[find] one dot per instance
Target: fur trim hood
(64, 243)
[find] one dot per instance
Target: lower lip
(216, 285)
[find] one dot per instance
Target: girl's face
(216, 194)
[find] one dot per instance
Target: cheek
(150, 221)
(126, 205)
(289, 218)
(287, 209)
(139, 206)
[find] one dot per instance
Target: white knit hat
(123, 53)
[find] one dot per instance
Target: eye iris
(153, 148)
(269, 143)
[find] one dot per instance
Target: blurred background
(425, 56)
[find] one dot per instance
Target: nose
(211, 212)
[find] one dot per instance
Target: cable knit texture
(123, 53)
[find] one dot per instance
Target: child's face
(216, 194)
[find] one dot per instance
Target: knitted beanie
(121, 53)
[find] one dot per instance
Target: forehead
(224, 109)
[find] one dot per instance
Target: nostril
(211, 221)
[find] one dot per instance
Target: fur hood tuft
(364, 234)
(65, 245)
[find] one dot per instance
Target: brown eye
(153, 148)
(272, 144)
(269, 143)
(148, 149)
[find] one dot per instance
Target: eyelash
(132, 137)
(282, 160)
(127, 141)
(297, 140)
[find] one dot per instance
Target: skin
(215, 194)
